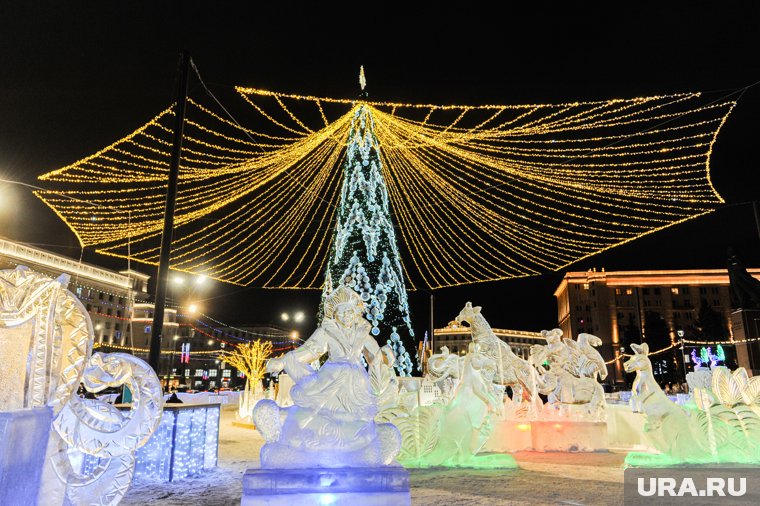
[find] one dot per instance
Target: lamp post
(622, 371)
(297, 318)
(683, 351)
(170, 375)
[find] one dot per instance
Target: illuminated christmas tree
(364, 254)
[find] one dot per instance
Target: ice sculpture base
(569, 436)
(509, 436)
(23, 441)
(185, 444)
(366, 486)
(626, 429)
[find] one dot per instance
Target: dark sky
(75, 76)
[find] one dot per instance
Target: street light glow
(285, 317)
(200, 280)
(176, 337)
(210, 342)
(192, 308)
(179, 280)
(299, 316)
(294, 335)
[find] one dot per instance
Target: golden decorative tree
(250, 359)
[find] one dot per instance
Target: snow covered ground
(543, 478)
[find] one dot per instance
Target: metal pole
(171, 200)
(757, 217)
(432, 324)
(639, 316)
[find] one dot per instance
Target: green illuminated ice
(722, 426)
(452, 434)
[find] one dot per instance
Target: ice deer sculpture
(46, 337)
(723, 426)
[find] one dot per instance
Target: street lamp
(683, 351)
(285, 317)
(299, 316)
(294, 335)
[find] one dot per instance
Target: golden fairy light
(478, 193)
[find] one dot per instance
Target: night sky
(76, 76)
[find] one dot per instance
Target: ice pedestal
(23, 441)
(626, 428)
(366, 486)
(185, 444)
(569, 436)
(509, 436)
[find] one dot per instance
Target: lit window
(212, 373)
(187, 373)
(674, 291)
(629, 291)
(227, 373)
(198, 373)
(585, 286)
(618, 291)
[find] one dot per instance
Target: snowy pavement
(543, 478)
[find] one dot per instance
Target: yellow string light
(478, 193)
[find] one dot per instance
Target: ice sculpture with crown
(328, 441)
(46, 340)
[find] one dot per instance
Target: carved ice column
(46, 343)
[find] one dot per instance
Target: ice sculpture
(570, 382)
(722, 427)
(511, 370)
(451, 432)
(332, 422)
(284, 384)
(445, 370)
(46, 369)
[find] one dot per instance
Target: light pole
(170, 376)
(683, 351)
(296, 318)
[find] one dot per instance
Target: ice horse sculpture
(722, 427)
(511, 370)
(328, 441)
(46, 369)
(570, 382)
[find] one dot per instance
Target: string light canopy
(477, 193)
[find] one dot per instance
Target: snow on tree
(365, 256)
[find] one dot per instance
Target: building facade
(659, 307)
(457, 337)
(122, 320)
(108, 296)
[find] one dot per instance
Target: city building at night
(122, 319)
(457, 337)
(108, 296)
(613, 305)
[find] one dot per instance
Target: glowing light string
(477, 193)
